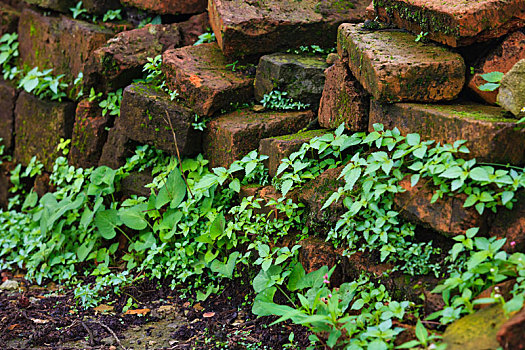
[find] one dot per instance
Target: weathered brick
(258, 27)
(301, 76)
(5, 182)
(491, 136)
(143, 121)
(454, 22)
(57, 5)
(58, 42)
(511, 94)
(344, 100)
(8, 19)
(446, 216)
(231, 136)
(39, 126)
(89, 135)
(510, 224)
(100, 7)
(393, 67)
(200, 75)
(511, 336)
(279, 147)
(501, 59)
(169, 7)
(116, 64)
(8, 95)
(193, 27)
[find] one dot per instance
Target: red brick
(231, 136)
(61, 43)
(121, 60)
(8, 19)
(344, 100)
(510, 224)
(446, 216)
(393, 67)
(245, 28)
(200, 75)
(169, 7)
(193, 27)
(89, 135)
(501, 59)
(455, 22)
(8, 95)
(39, 126)
(511, 336)
(491, 136)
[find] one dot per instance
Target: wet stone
(169, 7)
(454, 22)
(248, 28)
(8, 19)
(491, 136)
(279, 147)
(511, 94)
(200, 75)
(58, 42)
(8, 95)
(57, 5)
(39, 126)
(118, 62)
(393, 67)
(231, 136)
(301, 76)
(501, 59)
(344, 100)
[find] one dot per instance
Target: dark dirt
(48, 318)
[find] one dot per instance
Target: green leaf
(489, 87)
(217, 226)
(452, 173)
(106, 222)
(514, 304)
(30, 200)
(84, 250)
(477, 259)
(421, 332)
(286, 186)
(235, 185)
(264, 279)
(295, 276)
(332, 339)
(173, 191)
(413, 139)
(493, 77)
(313, 279)
(133, 217)
(479, 174)
(225, 269)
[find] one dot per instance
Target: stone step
(279, 147)
(492, 136)
(393, 67)
(454, 22)
(231, 136)
(58, 42)
(511, 225)
(89, 134)
(143, 120)
(301, 76)
(511, 94)
(248, 28)
(118, 62)
(500, 59)
(202, 78)
(8, 19)
(39, 126)
(169, 7)
(8, 96)
(56, 5)
(344, 100)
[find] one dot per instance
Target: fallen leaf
(137, 312)
(13, 326)
(103, 308)
(39, 321)
(208, 314)
(186, 304)
(198, 307)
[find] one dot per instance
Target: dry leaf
(137, 312)
(39, 321)
(198, 307)
(186, 304)
(208, 314)
(103, 308)
(13, 326)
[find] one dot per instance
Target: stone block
(511, 94)
(200, 75)
(491, 136)
(500, 59)
(344, 100)
(5, 183)
(279, 147)
(231, 136)
(301, 76)
(89, 135)
(8, 19)
(248, 28)
(193, 27)
(100, 7)
(454, 22)
(510, 224)
(39, 126)
(120, 61)
(511, 336)
(58, 42)
(446, 216)
(393, 67)
(8, 95)
(56, 5)
(143, 121)
(169, 7)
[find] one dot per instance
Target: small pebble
(9, 285)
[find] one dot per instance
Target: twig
(168, 120)
(90, 334)
(111, 332)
